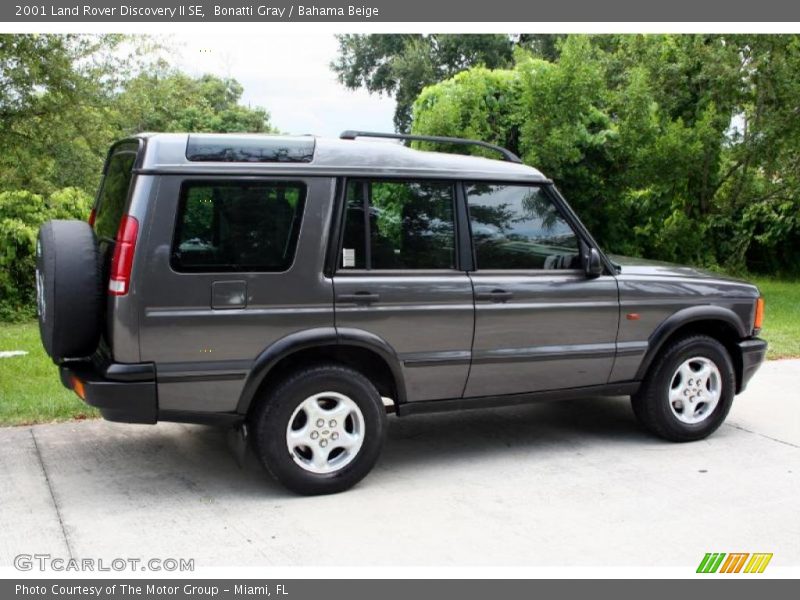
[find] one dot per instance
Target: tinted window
(398, 225)
(519, 227)
(254, 148)
(237, 227)
(113, 194)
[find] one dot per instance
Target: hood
(641, 266)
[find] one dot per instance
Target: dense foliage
(401, 65)
(63, 100)
(678, 147)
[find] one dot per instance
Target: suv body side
(443, 338)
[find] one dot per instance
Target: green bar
(703, 562)
(718, 563)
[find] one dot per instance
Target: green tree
(402, 65)
(53, 90)
(167, 100)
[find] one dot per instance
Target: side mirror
(592, 264)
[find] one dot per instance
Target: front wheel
(688, 391)
(321, 430)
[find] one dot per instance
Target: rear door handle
(494, 296)
(359, 298)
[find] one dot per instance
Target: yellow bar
(767, 558)
(750, 565)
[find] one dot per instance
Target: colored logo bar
(734, 562)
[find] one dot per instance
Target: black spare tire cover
(69, 291)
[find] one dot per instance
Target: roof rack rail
(507, 154)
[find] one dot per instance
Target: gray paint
(558, 330)
(179, 326)
(426, 318)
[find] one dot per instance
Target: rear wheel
(689, 390)
(321, 430)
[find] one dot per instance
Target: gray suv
(302, 288)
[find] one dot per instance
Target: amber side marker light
(759, 317)
(77, 387)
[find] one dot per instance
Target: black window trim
(232, 181)
(568, 216)
(334, 263)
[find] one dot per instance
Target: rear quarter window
(232, 226)
(114, 192)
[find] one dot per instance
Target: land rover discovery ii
(303, 287)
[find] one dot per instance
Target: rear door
(399, 276)
(540, 322)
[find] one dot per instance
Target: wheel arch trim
(686, 316)
(317, 338)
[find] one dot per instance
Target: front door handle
(359, 298)
(495, 296)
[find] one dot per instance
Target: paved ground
(549, 484)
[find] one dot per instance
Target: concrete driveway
(570, 483)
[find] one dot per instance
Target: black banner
(199, 11)
(342, 589)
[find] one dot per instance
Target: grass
(781, 316)
(30, 388)
(31, 391)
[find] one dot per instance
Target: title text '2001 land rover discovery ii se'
(304, 286)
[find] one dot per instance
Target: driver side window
(519, 227)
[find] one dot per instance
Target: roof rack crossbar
(507, 154)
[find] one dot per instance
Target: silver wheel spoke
(348, 441)
(319, 457)
(686, 373)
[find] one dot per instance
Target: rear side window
(114, 192)
(519, 227)
(398, 225)
(248, 226)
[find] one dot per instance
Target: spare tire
(69, 290)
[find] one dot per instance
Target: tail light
(92, 217)
(122, 263)
(758, 319)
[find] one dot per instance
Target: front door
(398, 277)
(540, 322)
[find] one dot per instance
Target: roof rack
(507, 154)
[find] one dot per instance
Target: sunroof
(223, 148)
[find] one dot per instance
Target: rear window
(114, 191)
(248, 226)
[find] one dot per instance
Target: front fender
(681, 318)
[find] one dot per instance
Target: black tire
(69, 291)
(271, 419)
(651, 404)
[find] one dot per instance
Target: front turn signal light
(758, 319)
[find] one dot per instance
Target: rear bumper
(753, 353)
(125, 393)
